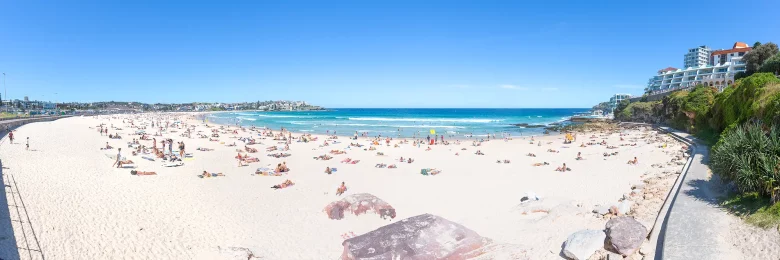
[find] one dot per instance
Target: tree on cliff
(771, 65)
(621, 106)
(756, 57)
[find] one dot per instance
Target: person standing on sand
(11, 136)
(28, 143)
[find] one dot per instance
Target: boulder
(582, 244)
(420, 237)
(359, 204)
(625, 234)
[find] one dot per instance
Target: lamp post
(5, 93)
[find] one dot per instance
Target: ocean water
(403, 122)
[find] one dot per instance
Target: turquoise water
(403, 122)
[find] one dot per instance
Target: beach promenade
(697, 228)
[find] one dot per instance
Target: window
(741, 54)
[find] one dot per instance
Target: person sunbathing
(346, 160)
(392, 166)
(582, 145)
(341, 189)
(134, 172)
(284, 184)
(506, 161)
(429, 148)
(108, 147)
(410, 160)
(250, 149)
(479, 152)
(634, 161)
(328, 170)
(540, 164)
(120, 163)
(563, 168)
(380, 165)
(552, 151)
(531, 155)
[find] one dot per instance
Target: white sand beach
(83, 208)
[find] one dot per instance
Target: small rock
(613, 256)
(624, 207)
(625, 234)
(582, 244)
(601, 210)
(644, 249)
(530, 196)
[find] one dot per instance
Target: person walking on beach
(11, 136)
(28, 144)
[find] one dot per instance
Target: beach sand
(82, 208)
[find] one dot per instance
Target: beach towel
(212, 175)
(148, 158)
(128, 166)
(424, 171)
(172, 164)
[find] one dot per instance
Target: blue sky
(361, 53)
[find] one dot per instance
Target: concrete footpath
(696, 228)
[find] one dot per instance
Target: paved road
(696, 227)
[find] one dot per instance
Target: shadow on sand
(8, 249)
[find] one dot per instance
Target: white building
(698, 56)
(616, 99)
(724, 64)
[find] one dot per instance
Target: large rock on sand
(625, 234)
(420, 237)
(582, 244)
(359, 204)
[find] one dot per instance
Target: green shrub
(749, 156)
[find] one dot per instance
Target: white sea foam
(282, 116)
(462, 120)
(247, 118)
(352, 125)
(431, 126)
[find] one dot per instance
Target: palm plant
(750, 157)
